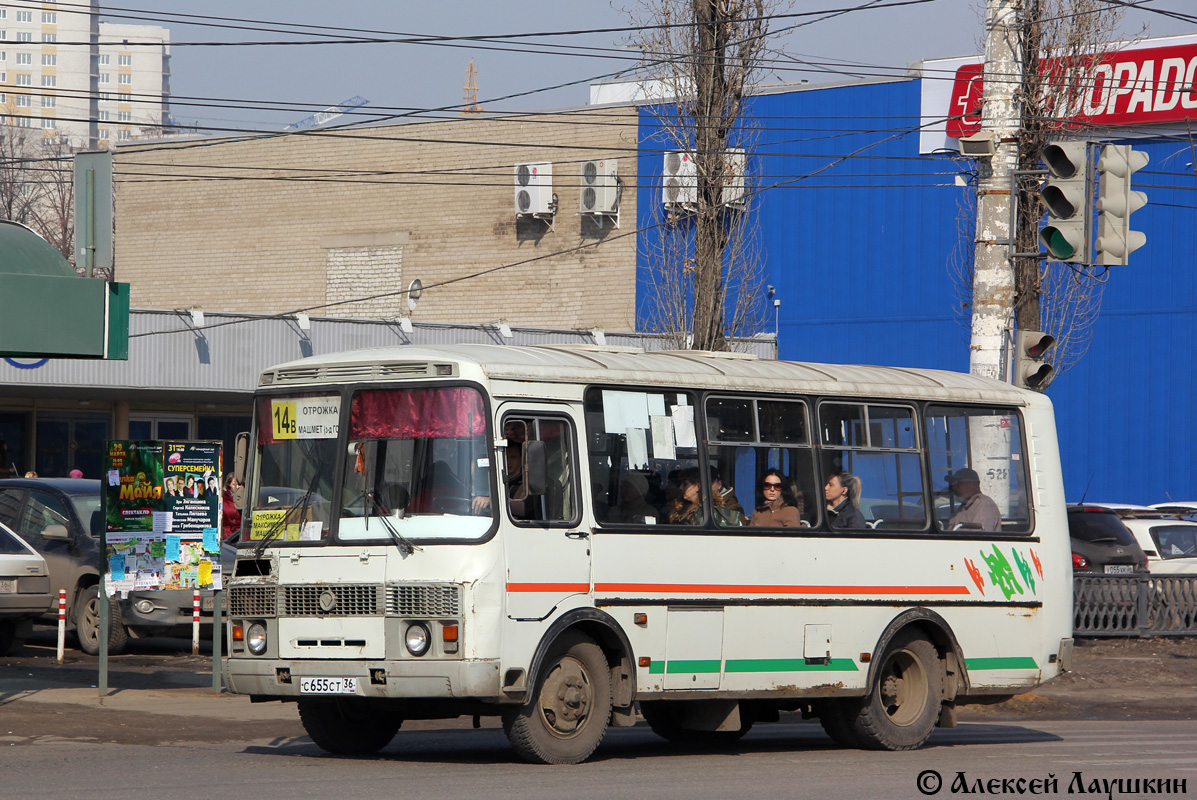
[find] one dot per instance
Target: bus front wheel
(903, 703)
(348, 727)
(567, 715)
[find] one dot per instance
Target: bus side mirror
(535, 467)
(240, 452)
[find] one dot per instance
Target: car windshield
(418, 466)
(294, 467)
(1098, 527)
(1175, 541)
(87, 507)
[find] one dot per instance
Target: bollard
(195, 609)
(61, 623)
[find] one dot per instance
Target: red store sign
(1132, 87)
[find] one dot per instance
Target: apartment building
(80, 79)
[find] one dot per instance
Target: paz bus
(563, 537)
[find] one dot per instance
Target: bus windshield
(417, 458)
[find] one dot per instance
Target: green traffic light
(1057, 243)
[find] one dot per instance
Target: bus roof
(587, 364)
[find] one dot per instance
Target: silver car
(24, 589)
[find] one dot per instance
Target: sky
(219, 85)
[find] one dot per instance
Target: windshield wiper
(402, 542)
(302, 504)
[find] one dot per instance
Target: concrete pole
(993, 269)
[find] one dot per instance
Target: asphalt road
(786, 760)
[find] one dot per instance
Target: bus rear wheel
(903, 703)
(348, 727)
(837, 718)
(567, 716)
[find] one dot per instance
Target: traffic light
(1116, 202)
(1028, 369)
(1066, 195)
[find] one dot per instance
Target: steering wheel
(453, 505)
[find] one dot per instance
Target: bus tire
(348, 727)
(900, 711)
(87, 623)
(664, 718)
(567, 715)
(837, 717)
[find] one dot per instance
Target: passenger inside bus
(779, 505)
(842, 492)
(728, 511)
(633, 504)
(686, 508)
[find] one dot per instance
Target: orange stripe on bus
(548, 587)
(690, 588)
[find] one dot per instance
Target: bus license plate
(328, 685)
(1120, 569)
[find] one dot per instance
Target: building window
(49, 101)
(24, 36)
(49, 60)
(49, 80)
(3, 13)
(126, 61)
(105, 96)
(24, 58)
(24, 80)
(122, 136)
(49, 17)
(124, 78)
(124, 116)
(102, 133)
(47, 123)
(3, 55)
(124, 98)
(105, 79)
(3, 35)
(3, 79)
(24, 122)
(49, 38)
(24, 101)
(24, 16)
(105, 60)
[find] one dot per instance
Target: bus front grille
(331, 600)
(253, 601)
(423, 600)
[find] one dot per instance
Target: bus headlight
(255, 638)
(417, 639)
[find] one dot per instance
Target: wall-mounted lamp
(305, 324)
(405, 324)
(505, 330)
(197, 317)
(600, 337)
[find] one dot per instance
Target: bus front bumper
(449, 680)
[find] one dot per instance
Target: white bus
(561, 536)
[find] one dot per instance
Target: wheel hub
(566, 697)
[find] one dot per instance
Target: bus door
(547, 545)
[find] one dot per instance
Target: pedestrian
(230, 515)
(76, 473)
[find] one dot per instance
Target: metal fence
(1134, 605)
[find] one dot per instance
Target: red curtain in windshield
(417, 413)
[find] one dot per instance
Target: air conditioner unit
(600, 187)
(680, 186)
(733, 190)
(533, 189)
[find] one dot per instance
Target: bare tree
(20, 190)
(707, 271)
(1064, 40)
(54, 214)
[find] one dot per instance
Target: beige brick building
(276, 224)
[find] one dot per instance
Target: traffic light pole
(1001, 112)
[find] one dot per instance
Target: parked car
(1186, 509)
(24, 589)
(62, 519)
(1101, 543)
(1169, 542)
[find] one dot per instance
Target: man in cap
(976, 511)
(633, 488)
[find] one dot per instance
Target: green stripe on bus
(656, 668)
(696, 667)
(1015, 662)
(789, 665)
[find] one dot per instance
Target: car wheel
(87, 623)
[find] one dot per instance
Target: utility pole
(993, 269)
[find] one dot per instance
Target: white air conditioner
(733, 189)
(533, 189)
(680, 184)
(600, 187)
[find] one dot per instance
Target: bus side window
(535, 444)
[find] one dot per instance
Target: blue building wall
(859, 233)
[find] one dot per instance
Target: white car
(1181, 508)
(24, 589)
(1169, 542)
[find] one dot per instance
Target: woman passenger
(778, 508)
(842, 492)
(686, 508)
